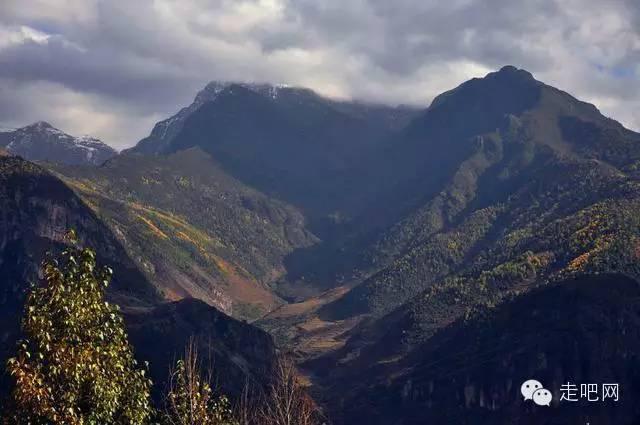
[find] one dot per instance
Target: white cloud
(11, 36)
(73, 112)
(113, 68)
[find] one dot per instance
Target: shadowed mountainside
(289, 143)
(37, 210)
(583, 330)
(194, 230)
(503, 184)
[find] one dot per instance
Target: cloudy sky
(113, 68)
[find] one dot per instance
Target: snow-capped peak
(43, 126)
(43, 142)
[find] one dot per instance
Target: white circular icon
(542, 397)
(529, 387)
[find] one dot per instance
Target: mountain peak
(508, 68)
(165, 131)
(41, 141)
(43, 127)
(508, 81)
(512, 70)
(510, 73)
(39, 125)
(482, 103)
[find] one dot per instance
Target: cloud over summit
(113, 68)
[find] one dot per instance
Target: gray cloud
(113, 68)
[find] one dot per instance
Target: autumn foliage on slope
(75, 365)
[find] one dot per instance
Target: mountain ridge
(41, 141)
(384, 234)
(166, 130)
(194, 229)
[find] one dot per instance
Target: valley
(389, 250)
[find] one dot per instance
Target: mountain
(383, 244)
(290, 143)
(38, 209)
(42, 142)
(582, 331)
(501, 186)
(474, 147)
(194, 230)
(485, 171)
(238, 168)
